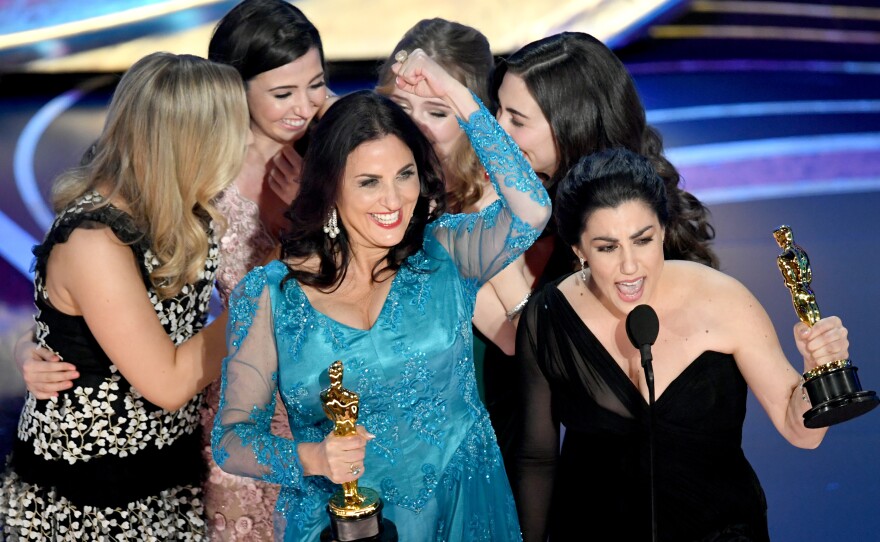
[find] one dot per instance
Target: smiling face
(623, 246)
(433, 117)
(283, 101)
(379, 192)
(521, 117)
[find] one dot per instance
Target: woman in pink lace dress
(279, 55)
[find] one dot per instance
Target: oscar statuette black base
(371, 528)
(837, 396)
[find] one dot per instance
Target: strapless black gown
(597, 486)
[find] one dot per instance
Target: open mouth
(293, 124)
(631, 290)
(387, 220)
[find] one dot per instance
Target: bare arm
(490, 318)
(117, 310)
(774, 381)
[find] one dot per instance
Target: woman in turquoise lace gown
(376, 276)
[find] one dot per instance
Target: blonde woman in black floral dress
(122, 282)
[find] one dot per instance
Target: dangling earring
(583, 270)
(332, 226)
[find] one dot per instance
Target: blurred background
(770, 109)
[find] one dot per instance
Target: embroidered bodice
(434, 456)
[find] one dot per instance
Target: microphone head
(642, 326)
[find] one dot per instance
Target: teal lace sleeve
(241, 440)
(483, 243)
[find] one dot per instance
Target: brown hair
(464, 52)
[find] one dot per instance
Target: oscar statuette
(355, 514)
(834, 388)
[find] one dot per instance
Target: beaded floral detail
(238, 509)
(500, 155)
(277, 454)
(107, 418)
(417, 398)
(392, 494)
(411, 285)
(245, 243)
(35, 513)
(104, 421)
(113, 418)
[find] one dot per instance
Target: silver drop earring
(332, 226)
(583, 270)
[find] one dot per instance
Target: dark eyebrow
(285, 87)
(636, 235)
(377, 176)
(513, 111)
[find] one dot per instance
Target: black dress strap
(84, 212)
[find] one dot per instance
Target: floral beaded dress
(99, 462)
(434, 461)
(238, 508)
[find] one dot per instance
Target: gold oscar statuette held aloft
(355, 514)
(834, 388)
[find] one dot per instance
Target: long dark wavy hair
(353, 120)
(591, 103)
(605, 180)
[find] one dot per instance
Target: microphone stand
(647, 358)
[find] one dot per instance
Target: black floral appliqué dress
(100, 462)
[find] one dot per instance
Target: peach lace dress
(238, 508)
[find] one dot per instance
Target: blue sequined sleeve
(241, 440)
(483, 243)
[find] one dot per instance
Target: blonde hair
(175, 137)
(464, 52)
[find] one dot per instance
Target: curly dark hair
(355, 119)
(605, 180)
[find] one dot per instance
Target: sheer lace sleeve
(242, 440)
(483, 243)
(537, 446)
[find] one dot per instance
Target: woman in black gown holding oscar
(579, 369)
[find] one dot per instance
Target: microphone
(642, 327)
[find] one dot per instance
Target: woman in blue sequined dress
(376, 276)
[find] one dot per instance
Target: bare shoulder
(703, 280)
(93, 243)
(96, 265)
(573, 284)
(711, 293)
